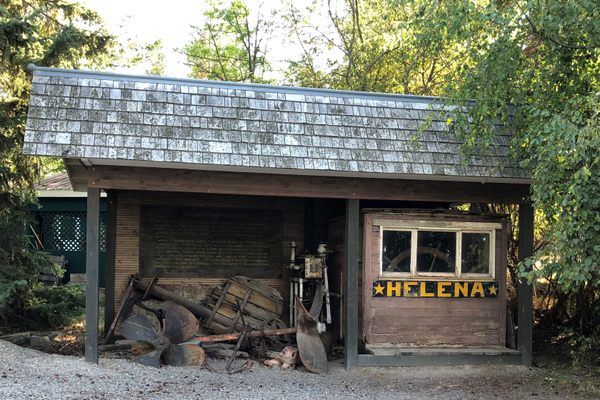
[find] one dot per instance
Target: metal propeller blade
(151, 359)
(179, 324)
(184, 355)
(138, 327)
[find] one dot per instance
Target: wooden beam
(193, 181)
(525, 290)
(351, 284)
(370, 360)
(109, 279)
(91, 275)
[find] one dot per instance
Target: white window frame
(442, 226)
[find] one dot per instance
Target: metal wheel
(263, 344)
(276, 323)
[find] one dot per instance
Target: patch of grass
(578, 380)
(568, 361)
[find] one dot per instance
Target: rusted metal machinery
(305, 277)
(175, 343)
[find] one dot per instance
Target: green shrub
(54, 306)
(19, 271)
(586, 351)
(27, 304)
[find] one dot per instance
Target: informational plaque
(210, 242)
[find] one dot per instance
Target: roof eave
(78, 172)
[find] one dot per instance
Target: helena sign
(435, 289)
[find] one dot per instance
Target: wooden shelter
(206, 180)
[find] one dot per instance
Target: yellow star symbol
(378, 289)
(493, 290)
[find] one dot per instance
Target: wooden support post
(91, 275)
(109, 279)
(351, 283)
(525, 290)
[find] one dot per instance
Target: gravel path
(29, 374)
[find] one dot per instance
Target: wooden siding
(196, 289)
(127, 244)
(435, 321)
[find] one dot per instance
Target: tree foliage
(51, 33)
(150, 55)
(533, 64)
(231, 45)
(379, 45)
(536, 64)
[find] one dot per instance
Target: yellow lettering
(393, 289)
(423, 290)
(441, 289)
(477, 288)
(461, 289)
(408, 287)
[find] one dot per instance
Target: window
(396, 251)
(431, 248)
(436, 251)
(475, 252)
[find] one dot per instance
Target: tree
(536, 64)
(150, 55)
(376, 46)
(231, 45)
(45, 32)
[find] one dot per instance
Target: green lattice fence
(65, 231)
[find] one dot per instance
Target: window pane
(436, 251)
(475, 253)
(396, 251)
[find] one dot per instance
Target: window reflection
(396, 251)
(475, 253)
(436, 251)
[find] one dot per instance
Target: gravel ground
(29, 374)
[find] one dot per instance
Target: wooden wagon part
(227, 337)
(242, 296)
(243, 335)
(240, 309)
(209, 320)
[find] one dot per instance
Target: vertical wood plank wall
(127, 246)
(196, 289)
(435, 321)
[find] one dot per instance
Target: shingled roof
(142, 120)
(58, 181)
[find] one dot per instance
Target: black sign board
(435, 289)
(210, 242)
